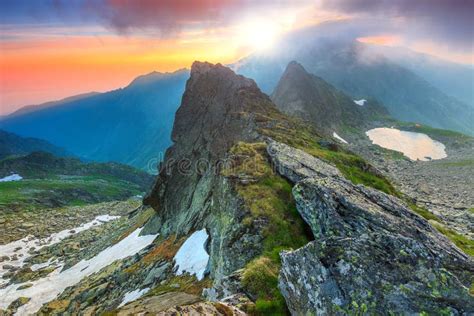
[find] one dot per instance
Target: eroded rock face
(370, 254)
(218, 109)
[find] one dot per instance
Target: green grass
(31, 193)
(269, 197)
(431, 131)
(423, 212)
(464, 243)
(261, 279)
(461, 163)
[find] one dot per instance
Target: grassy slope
(442, 135)
(34, 193)
(50, 181)
(267, 197)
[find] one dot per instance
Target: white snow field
(192, 257)
(13, 177)
(133, 295)
(360, 102)
(48, 288)
(21, 247)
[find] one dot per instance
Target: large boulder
(371, 254)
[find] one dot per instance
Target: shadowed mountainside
(130, 125)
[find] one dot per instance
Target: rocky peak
(199, 68)
(305, 95)
(218, 109)
(212, 115)
(295, 68)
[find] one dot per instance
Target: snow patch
(360, 102)
(48, 288)
(133, 295)
(192, 257)
(21, 247)
(13, 177)
(339, 138)
(416, 146)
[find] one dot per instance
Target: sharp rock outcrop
(218, 109)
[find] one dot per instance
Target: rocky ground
(42, 222)
(151, 268)
(444, 187)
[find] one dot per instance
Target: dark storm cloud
(166, 16)
(170, 16)
(445, 21)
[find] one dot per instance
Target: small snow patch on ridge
(13, 177)
(339, 138)
(192, 257)
(133, 295)
(360, 102)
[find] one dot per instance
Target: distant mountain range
(452, 79)
(130, 125)
(65, 101)
(14, 145)
(357, 70)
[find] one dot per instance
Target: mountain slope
(50, 181)
(68, 100)
(130, 125)
(345, 65)
(14, 145)
(456, 80)
(311, 98)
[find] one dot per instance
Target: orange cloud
(386, 40)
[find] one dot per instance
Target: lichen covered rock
(370, 253)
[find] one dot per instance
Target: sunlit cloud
(385, 40)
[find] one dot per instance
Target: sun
(259, 35)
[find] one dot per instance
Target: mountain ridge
(309, 97)
(406, 95)
(121, 125)
(245, 233)
(14, 145)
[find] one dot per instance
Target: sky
(51, 49)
